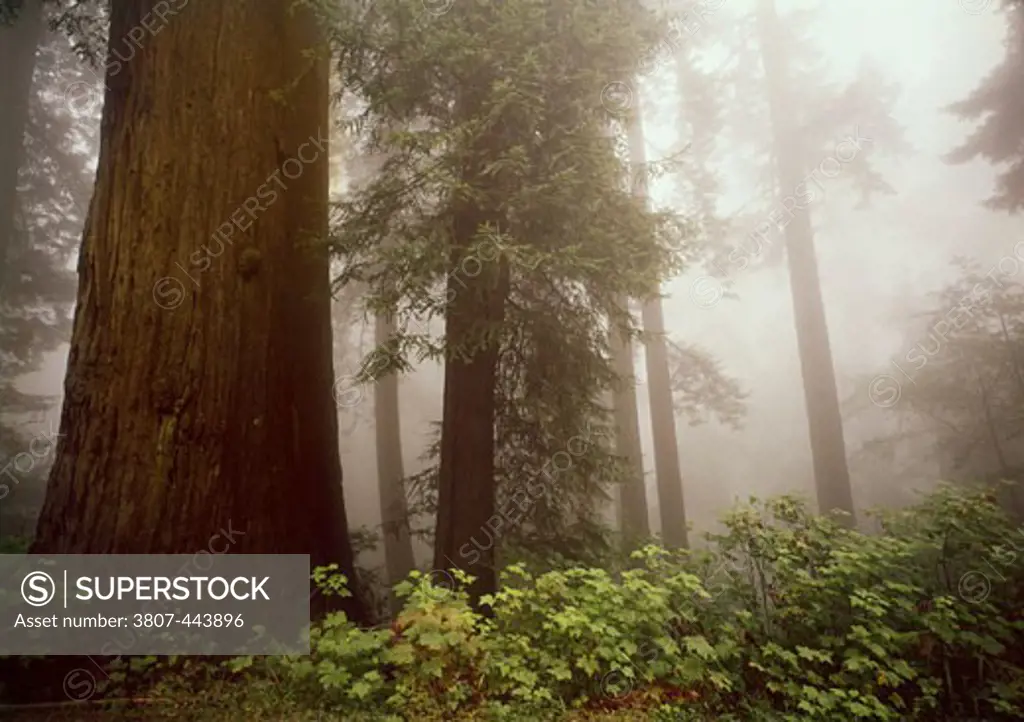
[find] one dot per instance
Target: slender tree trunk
(671, 505)
(1017, 492)
(828, 447)
(398, 553)
(466, 520)
(394, 511)
(993, 433)
(634, 514)
(610, 510)
(992, 429)
(663, 421)
(1011, 352)
(198, 392)
(18, 45)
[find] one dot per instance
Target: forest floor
(156, 713)
(166, 711)
(159, 713)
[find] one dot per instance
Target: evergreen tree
(811, 125)
(359, 165)
(513, 198)
(998, 103)
(961, 381)
(671, 504)
(828, 447)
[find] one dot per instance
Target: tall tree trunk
(610, 511)
(466, 521)
(18, 46)
(671, 505)
(634, 515)
(633, 493)
(394, 511)
(214, 410)
(398, 554)
(828, 447)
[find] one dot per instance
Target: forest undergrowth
(784, 616)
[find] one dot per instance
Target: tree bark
(828, 447)
(671, 505)
(18, 46)
(198, 395)
(394, 510)
(634, 514)
(466, 522)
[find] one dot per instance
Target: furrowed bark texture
(198, 395)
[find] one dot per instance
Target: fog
(878, 267)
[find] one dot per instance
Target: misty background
(879, 268)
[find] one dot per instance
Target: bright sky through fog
(937, 50)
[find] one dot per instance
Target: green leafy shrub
(786, 616)
(14, 545)
(838, 623)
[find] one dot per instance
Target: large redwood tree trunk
(18, 45)
(198, 395)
